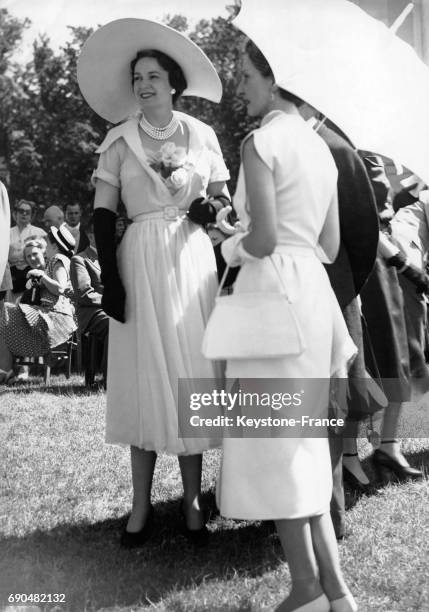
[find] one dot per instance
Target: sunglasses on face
(23, 211)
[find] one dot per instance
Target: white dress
(279, 477)
(168, 269)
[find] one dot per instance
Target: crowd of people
(314, 213)
(51, 287)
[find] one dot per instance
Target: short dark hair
(259, 60)
(73, 204)
(176, 77)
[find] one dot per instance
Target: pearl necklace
(159, 133)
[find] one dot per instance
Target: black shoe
(197, 537)
(134, 539)
(386, 466)
(354, 482)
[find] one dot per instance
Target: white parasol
(350, 67)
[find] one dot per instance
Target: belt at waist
(168, 213)
(290, 249)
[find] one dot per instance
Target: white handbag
(253, 325)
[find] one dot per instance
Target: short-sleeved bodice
(168, 269)
(304, 175)
(58, 303)
(125, 164)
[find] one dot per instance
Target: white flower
(178, 158)
(179, 178)
(166, 152)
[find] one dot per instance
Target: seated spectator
(120, 228)
(19, 234)
(33, 330)
(73, 214)
(53, 216)
(87, 288)
(34, 255)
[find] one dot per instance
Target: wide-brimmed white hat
(103, 69)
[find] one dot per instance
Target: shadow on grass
(419, 460)
(85, 562)
(61, 388)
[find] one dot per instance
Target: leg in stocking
(296, 540)
(326, 552)
(142, 467)
(389, 433)
(190, 468)
(350, 454)
(337, 500)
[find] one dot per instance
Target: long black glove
(113, 300)
(204, 210)
(419, 278)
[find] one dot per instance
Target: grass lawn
(65, 496)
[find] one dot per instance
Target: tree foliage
(49, 134)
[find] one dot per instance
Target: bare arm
(59, 282)
(329, 239)
(217, 188)
(262, 237)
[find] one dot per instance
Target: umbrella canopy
(350, 67)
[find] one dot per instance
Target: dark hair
(73, 204)
(258, 59)
(29, 203)
(176, 77)
(61, 249)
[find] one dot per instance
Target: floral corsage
(173, 164)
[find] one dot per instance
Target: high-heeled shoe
(352, 480)
(134, 539)
(344, 604)
(385, 466)
(197, 537)
(320, 604)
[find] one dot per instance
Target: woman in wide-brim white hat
(160, 288)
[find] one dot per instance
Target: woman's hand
(35, 274)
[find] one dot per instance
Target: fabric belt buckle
(171, 213)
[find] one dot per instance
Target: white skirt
(170, 279)
(285, 478)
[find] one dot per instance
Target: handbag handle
(228, 267)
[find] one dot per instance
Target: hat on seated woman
(63, 239)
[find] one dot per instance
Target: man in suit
(85, 276)
(410, 232)
(73, 214)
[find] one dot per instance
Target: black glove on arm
(113, 300)
(419, 278)
(203, 210)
